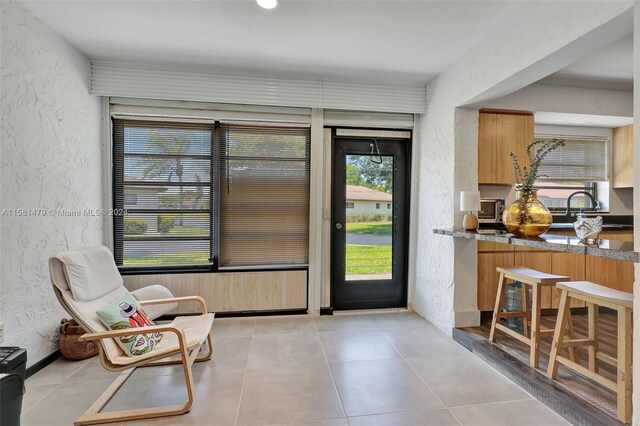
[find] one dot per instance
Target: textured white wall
(50, 159)
(534, 42)
(564, 99)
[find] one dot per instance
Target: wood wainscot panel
(232, 291)
(277, 290)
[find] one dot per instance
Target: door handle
(338, 226)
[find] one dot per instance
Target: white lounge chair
(87, 280)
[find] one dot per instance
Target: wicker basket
(70, 345)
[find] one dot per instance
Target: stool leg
(534, 356)
(593, 335)
(558, 335)
(498, 308)
(572, 335)
(525, 309)
(624, 364)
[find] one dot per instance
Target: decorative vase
(527, 216)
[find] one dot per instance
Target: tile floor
(364, 370)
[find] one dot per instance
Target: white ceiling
(609, 68)
(375, 40)
(582, 120)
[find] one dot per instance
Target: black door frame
(396, 297)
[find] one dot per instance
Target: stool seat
(528, 275)
(597, 291)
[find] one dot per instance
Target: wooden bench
(596, 295)
(530, 317)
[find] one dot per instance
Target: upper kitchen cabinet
(498, 135)
(622, 145)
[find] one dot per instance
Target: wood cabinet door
(487, 148)
(484, 246)
(488, 277)
(622, 147)
(513, 134)
(613, 273)
(626, 235)
(571, 265)
(540, 261)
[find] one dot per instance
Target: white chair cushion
(90, 273)
(152, 292)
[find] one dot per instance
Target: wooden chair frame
(622, 386)
(531, 317)
(187, 357)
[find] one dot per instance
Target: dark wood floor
(590, 391)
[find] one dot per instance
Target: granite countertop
(612, 249)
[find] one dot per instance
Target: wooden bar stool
(596, 295)
(532, 332)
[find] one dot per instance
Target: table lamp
(470, 202)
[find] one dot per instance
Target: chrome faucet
(594, 203)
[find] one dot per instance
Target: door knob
(338, 226)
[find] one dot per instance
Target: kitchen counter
(612, 249)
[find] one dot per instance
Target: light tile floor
(364, 370)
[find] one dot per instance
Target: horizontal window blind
(264, 195)
(162, 178)
(580, 160)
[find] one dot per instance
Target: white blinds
(264, 195)
(580, 160)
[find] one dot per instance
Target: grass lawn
(376, 228)
(199, 257)
(368, 259)
(183, 231)
(188, 231)
(360, 259)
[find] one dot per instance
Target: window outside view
(167, 195)
(369, 250)
(554, 195)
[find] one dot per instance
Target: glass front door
(370, 206)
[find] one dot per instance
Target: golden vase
(527, 216)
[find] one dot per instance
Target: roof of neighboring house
(362, 193)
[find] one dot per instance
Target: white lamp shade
(470, 201)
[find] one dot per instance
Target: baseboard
(236, 314)
(370, 311)
(568, 405)
(43, 363)
(326, 311)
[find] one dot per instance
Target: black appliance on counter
(13, 369)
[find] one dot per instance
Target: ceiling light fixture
(267, 4)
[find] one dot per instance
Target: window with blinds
(264, 195)
(162, 178)
(210, 195)
(580, 160)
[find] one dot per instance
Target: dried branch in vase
(536, 152)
